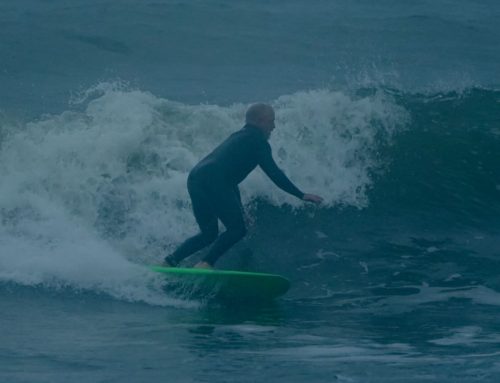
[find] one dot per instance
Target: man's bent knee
(210, 236)
(238, 232)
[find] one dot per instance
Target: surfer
(213, 187)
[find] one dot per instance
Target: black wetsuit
(213, 188)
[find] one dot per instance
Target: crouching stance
(213, 186)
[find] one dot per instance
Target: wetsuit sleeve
(266, 162)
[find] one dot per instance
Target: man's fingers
(312, 198)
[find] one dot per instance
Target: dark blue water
(225, 52)
(389, 111)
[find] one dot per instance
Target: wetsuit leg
(206, 219)
(227, 207)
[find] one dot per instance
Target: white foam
(57, 252)
(461, 336)
(336, 353)
(426, 294)
(86, 194)
(327, 143)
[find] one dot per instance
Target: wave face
(448, 159)
(89, 193)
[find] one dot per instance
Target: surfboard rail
(228, 284)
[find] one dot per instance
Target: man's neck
(253, 126)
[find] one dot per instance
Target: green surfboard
(227, 284)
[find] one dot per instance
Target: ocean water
(390, 110)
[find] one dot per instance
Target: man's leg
(228, 209)
(206, 219)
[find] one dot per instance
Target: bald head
(261, 116)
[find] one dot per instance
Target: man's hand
(312, 198)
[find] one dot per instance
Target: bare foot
(167, 263)
(203, 265)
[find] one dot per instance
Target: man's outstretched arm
(272, 170)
